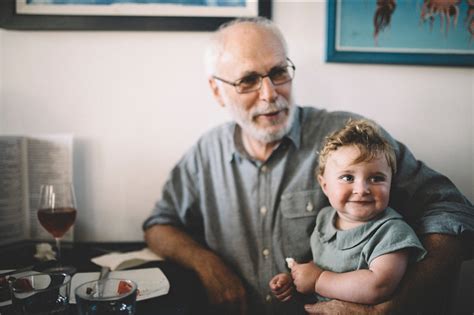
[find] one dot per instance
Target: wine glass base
(69, 270)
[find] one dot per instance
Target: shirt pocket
(299, 210)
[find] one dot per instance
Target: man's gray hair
(215, 47)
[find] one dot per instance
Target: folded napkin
(120, 261)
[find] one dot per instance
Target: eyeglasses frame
(236, 83)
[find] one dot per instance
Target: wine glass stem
(58, 245)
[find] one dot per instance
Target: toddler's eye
(377, 179)
(347, 178)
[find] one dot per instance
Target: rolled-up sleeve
(178, 205)
(428, 200)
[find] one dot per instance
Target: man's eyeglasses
(278, 75)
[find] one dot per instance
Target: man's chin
(267, 133)
(269, 136)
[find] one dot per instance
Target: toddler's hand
(305, 276)
(282, 286)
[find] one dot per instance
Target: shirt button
(263, 210)
(266, 252)
(264, 169)
(309, 207)
(268, 298)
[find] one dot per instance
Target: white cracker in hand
(290, 262)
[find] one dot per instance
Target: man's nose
(267, 91)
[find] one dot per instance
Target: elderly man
(245, 197)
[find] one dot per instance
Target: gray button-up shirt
(255, 214)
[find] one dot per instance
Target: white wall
(136, 100)
(1, 80)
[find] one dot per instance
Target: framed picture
(422, 32)
(167, 15)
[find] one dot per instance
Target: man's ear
(322, 183)
(216, 91)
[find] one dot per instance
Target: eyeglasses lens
(253, 82)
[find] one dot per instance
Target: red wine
(57, 221)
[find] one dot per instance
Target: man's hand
(282, 286)
(339, 307)
(426, 287)
(224, 289)
(305, 276)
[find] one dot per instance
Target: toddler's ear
(322, 183)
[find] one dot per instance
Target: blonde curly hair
(364, 135)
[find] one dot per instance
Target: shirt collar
(295, 132)
(350, 238)
(236, 152)
(233, 138)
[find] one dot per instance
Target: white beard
(245, 120)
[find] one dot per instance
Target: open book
(120, 261)
(26, 162)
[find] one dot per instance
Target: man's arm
(426, 287)
(223, 287)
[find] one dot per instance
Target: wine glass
(57, 213)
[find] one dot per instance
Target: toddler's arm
(366, 286)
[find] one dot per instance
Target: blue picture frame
(335, 52)
(10, 19)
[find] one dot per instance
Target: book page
(13, 197)
(49, 162)
(119, 261)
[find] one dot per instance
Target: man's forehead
(247, 37)
(252, 61)
(247, 50)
